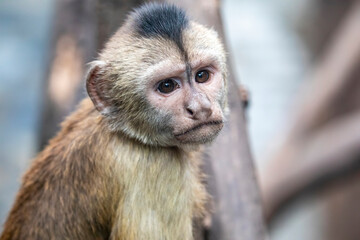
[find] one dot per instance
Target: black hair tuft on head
(163, 20)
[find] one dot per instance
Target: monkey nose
(199, 111)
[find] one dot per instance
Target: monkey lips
(200, 133)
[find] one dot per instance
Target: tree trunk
(73, 46)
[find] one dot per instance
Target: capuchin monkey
(125, 165)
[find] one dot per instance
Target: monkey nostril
(209, 113)
(190, 111)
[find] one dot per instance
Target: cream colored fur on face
(131, 81)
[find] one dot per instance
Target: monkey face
(189, 87)
(191, 97)
(159, 90)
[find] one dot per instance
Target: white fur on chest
(158, 188)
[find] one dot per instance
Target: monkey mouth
(198, 126)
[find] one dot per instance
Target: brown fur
(84, 186)
(125, 165)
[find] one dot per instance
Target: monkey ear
(97, 88)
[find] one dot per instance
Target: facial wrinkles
(198, 59)
(188, 72)
(164, 69)
(205, 58)
(183, 61)
(196, 95)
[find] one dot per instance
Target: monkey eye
(167, 86)
(202, 76)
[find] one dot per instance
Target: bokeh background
(279, 49)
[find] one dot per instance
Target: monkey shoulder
(65, 189)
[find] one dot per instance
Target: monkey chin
(203, 133)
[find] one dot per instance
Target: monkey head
(161, 79)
